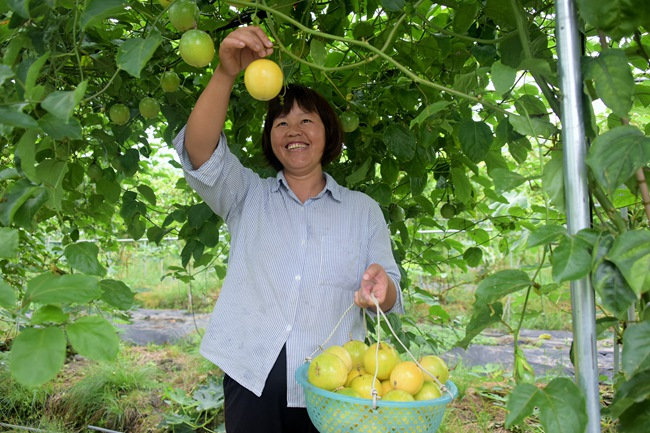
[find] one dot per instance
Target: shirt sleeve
(222, 181)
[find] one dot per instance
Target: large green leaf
(483, 315)
(8, 242)
(561, 405)
(117, 294)
(134, 53)
(636, 389)
(502, 283)
(546, 234)
(615, 18)
(615, 294)
(636, 349)
(631, 255)
(16, 118)
(553, 180)
(503, 77)
(475, 139)
(617, 154)
(428, 112)
(571, 259)
(521, 403)
(400, 141)
(62, 103)
(7, 296)
(94, 337)
(37, 355)
(14, 198)
(532, 126)
(48, 288)
(52, 172)
(613, 79)
(506, 180)
(462, 186)
(82, 256)
(98, 10)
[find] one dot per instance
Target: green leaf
(49, 314)
(5, 73)
(483, 315)
(616, 18)
(615, 294)
(506, 180)
(117, 294)
(134, 54)
(94, 338)
(636, 349)
(500, 284)
(147, 192)
(58, 129)
(636, 419)
(473, 256)
(33, 74)
(8, 242)
(429, 111)
(48, 288)
(503, 77)
(82, 256)
(62, 103)
(630, 253)
(199, 214)
(400, 141)
(381, 192)
(16, 118)
(14, 198)
(532, 126)
(462, 186)
(521, 403)
(571, 260)
(546, 234)
(37, 355)
(616, 155)
(636, 389)
(98, 10)
(358, 175)
(52, 172)
(475, 139)
(318, 51)
(613, 80)
(209, 234)
(562, 407)
(25, 154)
(393, 5)
(7, 296)
(389, 170)
(553, 180)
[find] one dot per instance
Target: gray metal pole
(577, 204)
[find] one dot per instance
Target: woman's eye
(281, 124)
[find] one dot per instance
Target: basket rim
(301, 378)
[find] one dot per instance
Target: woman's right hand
(241, 47)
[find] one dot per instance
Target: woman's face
(298, 141)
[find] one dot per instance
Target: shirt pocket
(339, 262)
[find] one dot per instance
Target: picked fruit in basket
(380, 358)
(407, 376)
(397, 395)
(343, 354)
(435, 366)
(354, 373)
(327, 371)
(346, 390)
(356, 349)
(364, 385)
(429, 391)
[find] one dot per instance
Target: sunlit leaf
(94, 338)
(502, 283)
(636, 348)
(82, 256)
(631, 255)
(134, 53)
(37, 355)
(98, 10)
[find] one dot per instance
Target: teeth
(296, 146)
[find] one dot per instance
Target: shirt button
(288, 327)
(297, 278)
(302, 242)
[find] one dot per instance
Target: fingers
(252, 38)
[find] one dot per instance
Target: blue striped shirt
(292, 271)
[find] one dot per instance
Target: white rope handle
(442, 386)
(320, 347)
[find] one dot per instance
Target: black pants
(247, 413)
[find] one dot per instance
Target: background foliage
(458, 106)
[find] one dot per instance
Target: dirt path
(545, 355)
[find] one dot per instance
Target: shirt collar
(330, 185)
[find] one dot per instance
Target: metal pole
(577, 204)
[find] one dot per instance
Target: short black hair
(313, 102)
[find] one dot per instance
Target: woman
(302, 247)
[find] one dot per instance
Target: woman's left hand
(375, 281)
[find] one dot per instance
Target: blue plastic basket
(335, 413)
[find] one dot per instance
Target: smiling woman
(289, 281)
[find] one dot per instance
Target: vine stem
(379, 53)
